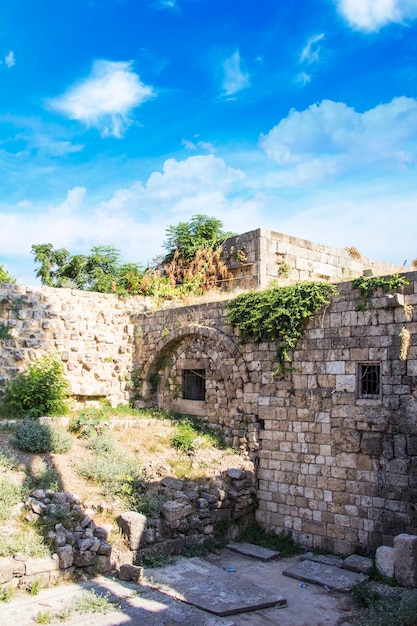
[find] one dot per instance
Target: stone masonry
(335, 465)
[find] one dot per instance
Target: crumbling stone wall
(92, 333)
(260, 256)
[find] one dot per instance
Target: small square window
(194, 384)
(369, 381)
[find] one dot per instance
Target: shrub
(28, 542)
(90, 422)
(192, 434)
(31, 436)
(10, 495)
(113, 470)
(41, 390)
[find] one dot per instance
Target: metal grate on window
(194, 384)
(369, 380)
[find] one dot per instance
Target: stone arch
(221, 350)
(226, 370)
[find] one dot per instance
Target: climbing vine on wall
(278, 314)
(368, 286)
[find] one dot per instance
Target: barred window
(369, 380)
(194, 384)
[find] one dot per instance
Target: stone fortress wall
(260, 256)
(335, 466)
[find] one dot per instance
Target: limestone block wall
(260, 256)
(340, 471)
(92, 333)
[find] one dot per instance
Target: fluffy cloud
(332, 138)
(234, 77)
(371, 15)
(105, 99)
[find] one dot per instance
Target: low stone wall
(191, 514)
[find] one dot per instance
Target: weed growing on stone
(157, 558)
(381, 605)
(6, 594)
(34, 587)
(283, 542)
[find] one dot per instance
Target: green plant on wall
(368, 285)
(278, 314)
(4, 331)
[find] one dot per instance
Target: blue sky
(121, 117)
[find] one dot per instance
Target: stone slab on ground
(134, 605)
(357, 563)
(254, 551)
(212, 589)
(333, 578)
(335, 561)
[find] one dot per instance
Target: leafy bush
(149, 503)
(192, 433)
(90, 422)
(31, 436)
(41, 390)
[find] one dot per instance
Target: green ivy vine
(368, 285)
(278, 314)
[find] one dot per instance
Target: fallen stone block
(254, 551)
(328, 576)
(335, 561)
(357, 563)
(207, 587)
(130, 572)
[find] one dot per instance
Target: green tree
(50, 261)
(98, 271)
(5, 277)
(186, 238)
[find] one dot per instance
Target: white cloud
(234, 77)
(371, 15)
(311, 51)
(198, 145)
(106, 99)
(331, 138)
(303, 78)
(10, 59)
